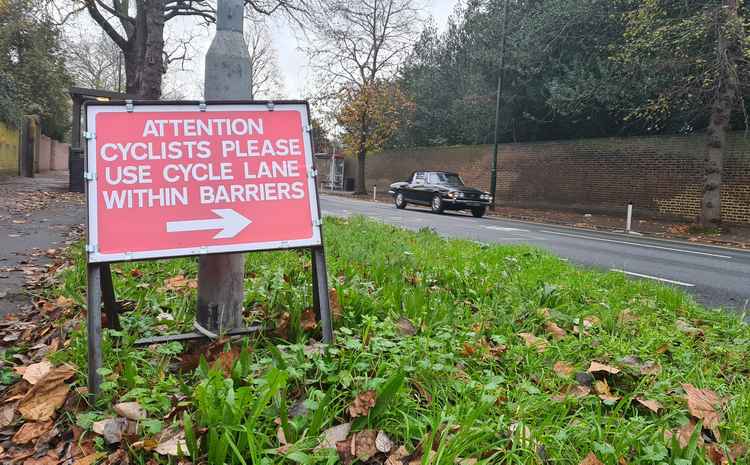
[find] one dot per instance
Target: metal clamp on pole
(129, 106)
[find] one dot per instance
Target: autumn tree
(692, 58)
(357, 46)
(137, 28)
(369, 116)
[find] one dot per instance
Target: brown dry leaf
(532, 341)
(397, 456)
(591, 459)
(130, 410)
(47, 395)
(31, 430)
(602, 388)
(362, 404)
(684, 433)
(468, 349)
(89, 459)
(555, 331)
(172, 442)
(578, 391)
(227, 358)
(686, 328)
(405, 327)
(563, 369)
(180, 282)
(703, 404)
(308, 321)
(383, 443)
(337, 312)
(49, 459)
(627, 316)
(282, 325)
(7, 413)
(333, 435)
(136, 273)
(652, 405)
(466, 461)
(111, 429)
(36, 371)
(419, 460)
(737, 451)
(544, 313)
(650, 368)
(597, 367)
(716, 455)
(363, 444)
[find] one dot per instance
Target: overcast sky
(293, 62)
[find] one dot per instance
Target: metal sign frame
(98, 269)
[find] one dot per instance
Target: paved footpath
(36, 218)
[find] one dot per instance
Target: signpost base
(94, 317)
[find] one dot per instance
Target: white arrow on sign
(230, 222)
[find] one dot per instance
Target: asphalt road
(716, 276)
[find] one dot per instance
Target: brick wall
(661, 175)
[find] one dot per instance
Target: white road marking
(650, 246)
(656, 278)
(499, 228)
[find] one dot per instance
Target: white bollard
(629, 221)
(374, 193)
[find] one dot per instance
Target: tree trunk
(152, 68)
(721, 111)
(361, 156)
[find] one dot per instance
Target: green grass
(443, 386)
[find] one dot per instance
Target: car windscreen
(449, 179)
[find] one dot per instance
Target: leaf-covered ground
(446, 352)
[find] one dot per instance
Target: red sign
(172, 180)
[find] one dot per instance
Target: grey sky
(293, 62)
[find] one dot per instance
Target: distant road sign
(181, 178)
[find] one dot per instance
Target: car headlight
(452, 195)
(460, 194)
(486, 197)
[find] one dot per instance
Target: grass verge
(458, 351)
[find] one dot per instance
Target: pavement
(715, 276)
(37, 216)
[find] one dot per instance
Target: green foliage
(33, 78)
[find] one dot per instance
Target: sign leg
(111, 307)
(94, 312)
(321, 287)
(315, 291)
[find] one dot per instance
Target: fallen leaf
(89, 459)
(333, 435)
(362, 404)
(602, 390)
(466, 461)
(405, 327)
(597, 367)
(31, 430)
(684, 433)
(716, 455)
(130, 410)
(650, 368)
(591, 459)
(179, 283)
(47, 395)
(563, 369)
(33, 373)
(383, 443)
(7, 413)
(363, 444)
(703, 404)
(111, 429)
(652, 405)
(308, 320)
(282, 325)
(532, 341)
(337, 312)
(397, 456)
(555, 331)
(49, 459)
(419, 460)
(172, 442)
(627, 316)
(686, 328)
(737, 451)
(577, 391)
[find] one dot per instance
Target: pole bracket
(202, 105)
(91, 248)
(89, 175)
(89, 135)
(129, 106)
(270, 106)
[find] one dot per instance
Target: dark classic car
(441, 191)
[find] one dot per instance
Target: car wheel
(478, 212)
(437, 204)
(399, 200)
